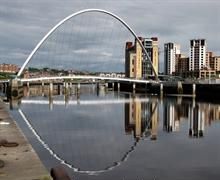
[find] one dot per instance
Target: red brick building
(9, 68)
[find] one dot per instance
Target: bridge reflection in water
(84, 129)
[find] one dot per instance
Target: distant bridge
(116, 79)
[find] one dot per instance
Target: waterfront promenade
(20, 162)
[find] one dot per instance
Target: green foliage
(6, 75)
(31, 69)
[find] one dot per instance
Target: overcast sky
(23, 23)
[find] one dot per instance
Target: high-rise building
(216, 62)
(208, 59)
(213, 61)
(182, 65)
(137, 64)
(197, 58)
(171, 50)
(151, 45)
(133, 60)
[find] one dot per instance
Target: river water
(105, 135)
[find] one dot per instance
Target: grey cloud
(24, 23)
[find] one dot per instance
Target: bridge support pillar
(50, 103)
(179, 100)
(118, 86)
(15, 90)
(28, 85)
(194, 89)
(59, 91)
(113, 86)
(66, 99)
(50, 89)
(179, 88)
(71, 87)
(28, 89)
(161, 90)
(134, 87)
(42, 88)
(66, 88)
(106, 85)
(77, 91)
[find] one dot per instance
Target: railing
(85, 77)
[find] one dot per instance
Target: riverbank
(18, 162)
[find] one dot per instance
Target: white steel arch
(78, 13)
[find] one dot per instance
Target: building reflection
(169, 118)
(154, 120)
(141, 118)
(173, 114)
(141, 115)
(199, 116)
(202, 115)
(42, 90)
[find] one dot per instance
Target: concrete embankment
(18, 160)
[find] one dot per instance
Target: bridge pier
(78, 96)
(77, 92)
(134, 87)
(194, 89)
(59, 91)
(118, 86)
(179, 88)
(78, 86)
(51, 89)
(161, 90)
(66, 88)
(42, 88)
(106, 85)
(179, 100)
(66, 99)
(50, 103)
(15, 90)
(28, 89)
(71, 87)
(28, 85)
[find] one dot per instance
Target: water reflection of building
(200, 116)
(140, 116)
(39, 90)
(196, 121)
(154, 121)
(173, 113)
(171, 120)
(212, 112)
(133, 120)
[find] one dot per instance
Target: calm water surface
(108, 135)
